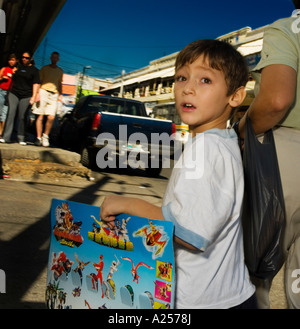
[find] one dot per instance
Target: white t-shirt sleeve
(201, 195)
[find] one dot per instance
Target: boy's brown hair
(221, 56)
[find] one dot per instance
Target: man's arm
(275, 97)
(35, 91)
(59, 89)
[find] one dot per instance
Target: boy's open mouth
(188, 107)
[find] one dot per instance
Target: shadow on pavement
(25, 256)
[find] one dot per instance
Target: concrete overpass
(27, 22)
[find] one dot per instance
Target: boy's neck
(217, 123)
(201, 129)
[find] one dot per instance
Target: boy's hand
(112, 205)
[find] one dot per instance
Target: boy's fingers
(111, 225)
(107, 218)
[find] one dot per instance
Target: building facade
(154, 84)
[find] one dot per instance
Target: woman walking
(23, 93)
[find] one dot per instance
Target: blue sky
(112, 36)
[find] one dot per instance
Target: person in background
(277, 106)
(25, 86)
(6, 74)
(205, 192)
(51, 90)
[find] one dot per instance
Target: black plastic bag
(263, 215)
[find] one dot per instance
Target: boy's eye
(205, 80)
(180, 78)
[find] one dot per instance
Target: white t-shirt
(203, 200)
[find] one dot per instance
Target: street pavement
(53, 172)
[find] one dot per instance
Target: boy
(204, 197)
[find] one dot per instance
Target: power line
(89, 58)
(75, 66)
(122, 46)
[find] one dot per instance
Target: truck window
(116, 106)
(97, 105)
(134, 109)
(94, 105)
(167, 112)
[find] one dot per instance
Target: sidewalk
(30, 162)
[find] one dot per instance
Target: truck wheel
(88, 158)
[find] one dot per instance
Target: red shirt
(6, 84)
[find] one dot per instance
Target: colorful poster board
(91, 266)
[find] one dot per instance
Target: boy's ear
(238, 97)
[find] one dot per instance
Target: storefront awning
(169, 72)
(250, 47)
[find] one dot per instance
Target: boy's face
(201, 96)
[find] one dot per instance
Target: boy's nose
(189, 87)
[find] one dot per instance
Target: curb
(44, 154)
(35, 162)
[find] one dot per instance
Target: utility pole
(81, 80)
(122, 87)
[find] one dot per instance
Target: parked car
(120, 119)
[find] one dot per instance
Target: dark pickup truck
(117, 132)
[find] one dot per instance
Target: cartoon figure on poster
(52, 292)
(163, 290)
(80, 267)
(135, 268)
(129, 266)
(116, 238)
(164, 270)
(61, 299)
(76, 292)
(99, 268)
(61, 265)
(154, 238)
(65, 229)
(110, 286)
(121, 230)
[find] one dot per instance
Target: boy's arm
(114, 205)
